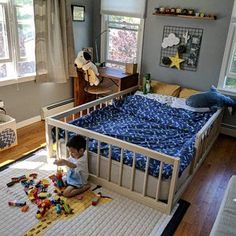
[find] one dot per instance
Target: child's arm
(63, 162)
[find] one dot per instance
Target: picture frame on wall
(78, 13)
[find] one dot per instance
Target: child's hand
(60, 162)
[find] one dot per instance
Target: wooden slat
(146, 177)
(159, 181)
(133, 172)
(88, 111)
(73, 116)
(66, 140)
(57, 131)
(98, 158)
(80, 113)
(87, 146)
(121, 166)
(109, 163)
(49, 141)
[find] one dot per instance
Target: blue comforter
(150, 124)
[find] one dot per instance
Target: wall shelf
(187, 16)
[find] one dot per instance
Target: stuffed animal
(211, 99)
(83, 61)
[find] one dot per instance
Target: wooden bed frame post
(49, 141)
(173, 183)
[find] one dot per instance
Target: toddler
(77, 174)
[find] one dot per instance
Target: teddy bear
(83, 61)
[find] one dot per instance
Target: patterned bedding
(148, 123)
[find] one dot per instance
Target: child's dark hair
(77, 142)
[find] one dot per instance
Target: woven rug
(116, 215)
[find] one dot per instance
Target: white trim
(28, 122)
(228, 131)
(228, 54)
(227, 91)
(7, 81)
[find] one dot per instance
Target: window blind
(132, 8)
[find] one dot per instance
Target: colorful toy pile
(38, 194)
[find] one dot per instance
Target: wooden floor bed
(155, 192)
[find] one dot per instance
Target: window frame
(13, 46)
(227, 59)
(105, 41)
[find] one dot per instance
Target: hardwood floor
(207, 188)
(204, 193)
(29, 138)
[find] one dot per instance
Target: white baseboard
(28, 122)
(228, 130)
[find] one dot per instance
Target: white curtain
(133, 8)
(54, 41)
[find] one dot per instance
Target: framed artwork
(78, 13)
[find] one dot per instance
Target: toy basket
(8, 135)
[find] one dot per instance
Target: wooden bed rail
(202, 146)
(95, 103)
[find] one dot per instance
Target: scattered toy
(16, 203)
(25, 208)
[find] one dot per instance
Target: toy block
(42, 195)
(95, 200)
(25, 208)
(11, 183)
(16, 203)
(79, 197)
(33, 175)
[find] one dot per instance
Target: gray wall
(24, 101)
(212, 47)
(83, 31)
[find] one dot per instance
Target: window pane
(26, 36)
(122, 45)
(25, 27)
(233, 62)
(7, 70)
(4, 51)
(27, 67)
(230, 83)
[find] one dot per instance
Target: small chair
(99, 90)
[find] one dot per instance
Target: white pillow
(158, 97)
(181, 103)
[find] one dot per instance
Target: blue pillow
(211, 99)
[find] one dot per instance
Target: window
(227, 81)
(17, 57)
(123, 41)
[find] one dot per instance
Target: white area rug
(121, 216)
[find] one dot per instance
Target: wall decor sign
(78, 13)
(180, 47)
